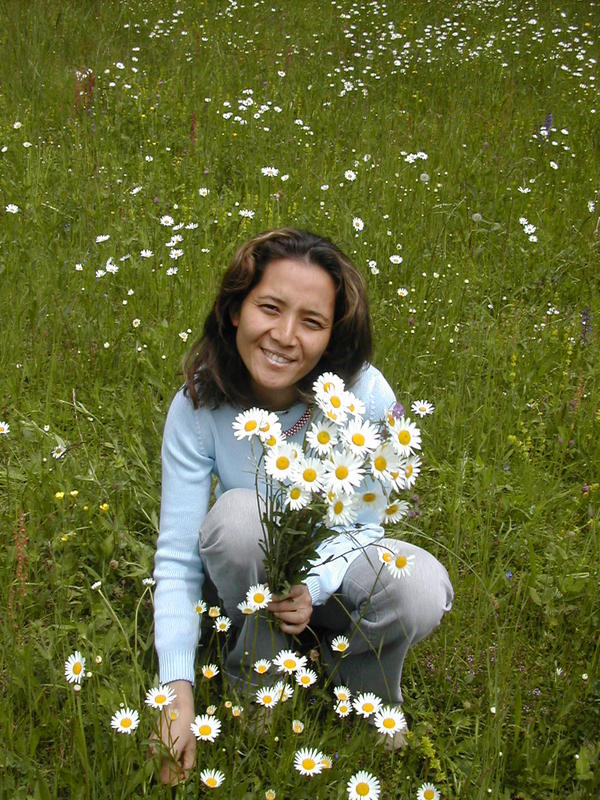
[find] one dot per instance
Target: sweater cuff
(177, 665)
(312, 584)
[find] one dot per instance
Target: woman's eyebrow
(274, 298)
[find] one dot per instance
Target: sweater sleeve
(336, 553)
(187, 464)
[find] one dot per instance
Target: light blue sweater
(197, 444)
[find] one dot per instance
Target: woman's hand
(294, 610)
(177, 736)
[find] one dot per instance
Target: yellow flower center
(362, 789)
(173, 714)
(204, 730)
(323, 437)
(295, 493)
(259, 597)
(289, 663)
(267, 699)
(391, 509)
(338, 507)
(335, 401)
(308, 763)
(343, 708)
(369, 497)
(408, 471)
(271, 441)
(250, 425)
(126, 723)
(341, 473)
(160, 698)
(282, 462)
(404, 437)
(305, 679)
(387, 557)
(368, 707)
(389, 723)
(401, 561)
(309, 475)
(358, 439)
(77, 668)
(211, 781)
(380, 463)
(261, 668)
(341, 646)
(428, 794)
(327, 386)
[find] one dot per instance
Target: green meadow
(452, 149)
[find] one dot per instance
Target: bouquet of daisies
(347, 471)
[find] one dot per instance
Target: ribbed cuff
(312, 584)
(177, 665)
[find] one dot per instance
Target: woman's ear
(234, 316)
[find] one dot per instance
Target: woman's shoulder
(372, 388)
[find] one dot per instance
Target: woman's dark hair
(213, 369)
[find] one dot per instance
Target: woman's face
(283, 328)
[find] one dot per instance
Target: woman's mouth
(276, 358)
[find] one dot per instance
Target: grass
(498, 331)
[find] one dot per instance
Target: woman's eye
(313, 323)
(269, 308)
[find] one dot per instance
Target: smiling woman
(291, 306)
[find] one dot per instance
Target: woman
(291, 306)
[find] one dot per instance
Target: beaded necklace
(297, 426)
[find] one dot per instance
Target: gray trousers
(381, 615)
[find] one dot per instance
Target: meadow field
(452, 149)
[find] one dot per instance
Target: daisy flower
(214, 611)
(427, 791)
(283, 691)
(308, 761)
(160, 697)
(288, 661)
(341, 510)
(74, 667)
(328, 383)
(279, 461)
(222, 624)
(267, 697)
(308, 473)
(212, 778)
(125, 720)
(355, 407)
(296, 497)
(210, 670)
(363, 786)
(361, 437)
(366, 704)
(327, 762)
(350, 175)
(422, 408)
(261, 666)
(206, 728)
(342, 692)
(372, 500)
(269, 426)
(246, 608)
(4, 428)
(405, 436)
(200, 607)
(297, 726)
(343, 708)
(389, 720)
(247, 423)
(236, 711)
(395, 511)
(412, 467)
(343, 471)
(383, 460)
(358, 224)
(401, 565)
(305, 677)
(322, 437)
(340, 644)
(333, 405)
(258, 596)
(270, 794)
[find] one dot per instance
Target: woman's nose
(284, 331)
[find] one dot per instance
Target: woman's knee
(232, 523)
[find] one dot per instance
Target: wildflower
(102, 237)
(167, 221)
(222, 624)
(258, 596)
(396, 259)
(305, 677)
(361, 437)
(267, 697)
(366, 704)
(405, 435)
(270, 172)
(148, 582)
(210, 670)
(58, 451)
(296, 497)
(212, 778)
(308, 761)
(214, 611)
(211, 710)
(246, 212)
(340, 644)
(308, 473)
(358, 224)
(280, 460)
(288, 661)
(146, 253)
(350, 175)
(400, 565)
(390, 720)
(270, 794)
(136, 323)
(11, 208)
(297, 726)
(96, 585)
(236, 711)
(327, 762)
(246, 608)
(59, 495)
(125, 720)
(322, 436)
(362, 785)
(206, 728)
(200, 607)
(104, 507)
(427, 791)
(203, 191)
(402, 292)
(422, 408)
(412, 467)
(74, 667)
(554, 165)
(261, 666)
(342, 692)
(160, 697)
(282, 691)
(341, 510)
(343, 471)
(343, 708)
